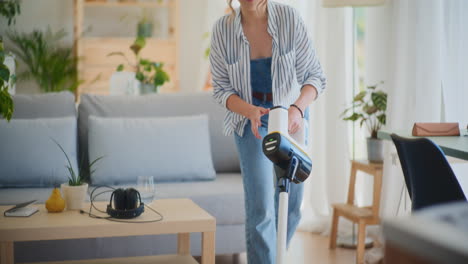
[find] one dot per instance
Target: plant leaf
(140, 76)
(69, 167)
(120, 67)
(360, 96)
(371, 110)
(362, 122)
(4, 73)
(353, 117)
(382, 119)
(379, 99)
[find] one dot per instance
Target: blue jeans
(261, 196)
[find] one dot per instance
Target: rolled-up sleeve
(308, 68)
(222, 87)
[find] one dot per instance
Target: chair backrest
(428, 175)
(373, 169)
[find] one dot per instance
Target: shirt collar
(272, 27)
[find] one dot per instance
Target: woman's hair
(233, 12)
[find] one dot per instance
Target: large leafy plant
(8, 9)
(6, 102)
(77, 179)
(146, 71)
(49, 63)
(368, 107)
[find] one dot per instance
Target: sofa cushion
(60, 104)
(163, 105)
(167, 148)
(28, 155)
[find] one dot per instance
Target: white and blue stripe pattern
(294, 63)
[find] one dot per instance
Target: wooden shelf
(93, 51)
(149, 41)
(130, 3)
(162, 259)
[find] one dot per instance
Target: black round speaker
(125, 204)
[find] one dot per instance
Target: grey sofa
(222, 197)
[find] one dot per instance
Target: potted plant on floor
(47, 60)
(369, 107)
(75, 190)
(151, 75)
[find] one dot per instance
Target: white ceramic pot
(74, 195)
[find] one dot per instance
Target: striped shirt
(294, 62)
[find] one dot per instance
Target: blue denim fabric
(260, 192)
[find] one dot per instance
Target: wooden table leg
(183, 243)
(208, 247)
(6, 253)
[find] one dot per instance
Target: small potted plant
(145, 24)
(75, 190)
(151, 75)
(369, 107)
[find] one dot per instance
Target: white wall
(39, 14)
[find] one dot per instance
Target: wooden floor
(306, 248)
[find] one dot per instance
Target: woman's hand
(294, 120)
(254, 115)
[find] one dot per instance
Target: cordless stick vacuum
(287, 152)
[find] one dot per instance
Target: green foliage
(9, 9)
(6, 102)
(368, 107)
(77, 179)
(206, 53)
(146, 71)
(50, 64)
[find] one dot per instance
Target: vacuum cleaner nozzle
(280, 150)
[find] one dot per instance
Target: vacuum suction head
(281, 149)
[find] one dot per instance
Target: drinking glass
(145, 186)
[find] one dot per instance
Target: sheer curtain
(419, 49)
(455, 61)
(331, 32)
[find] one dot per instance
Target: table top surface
(180, 216)
(454, 146)
(439, 233)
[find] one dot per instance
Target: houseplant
(6, 102)
(75, 190)
(369, 107)
(9, 10)
(49, 63)
(150, 75)
(145, 24)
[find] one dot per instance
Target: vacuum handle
(278, 121)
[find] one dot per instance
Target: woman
(261, 57)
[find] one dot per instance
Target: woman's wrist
(298, 109)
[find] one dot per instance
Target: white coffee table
(181, 216)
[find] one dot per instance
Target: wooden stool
(363, 216)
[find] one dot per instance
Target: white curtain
(455, 61)
(419, 48)
(331, 32)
